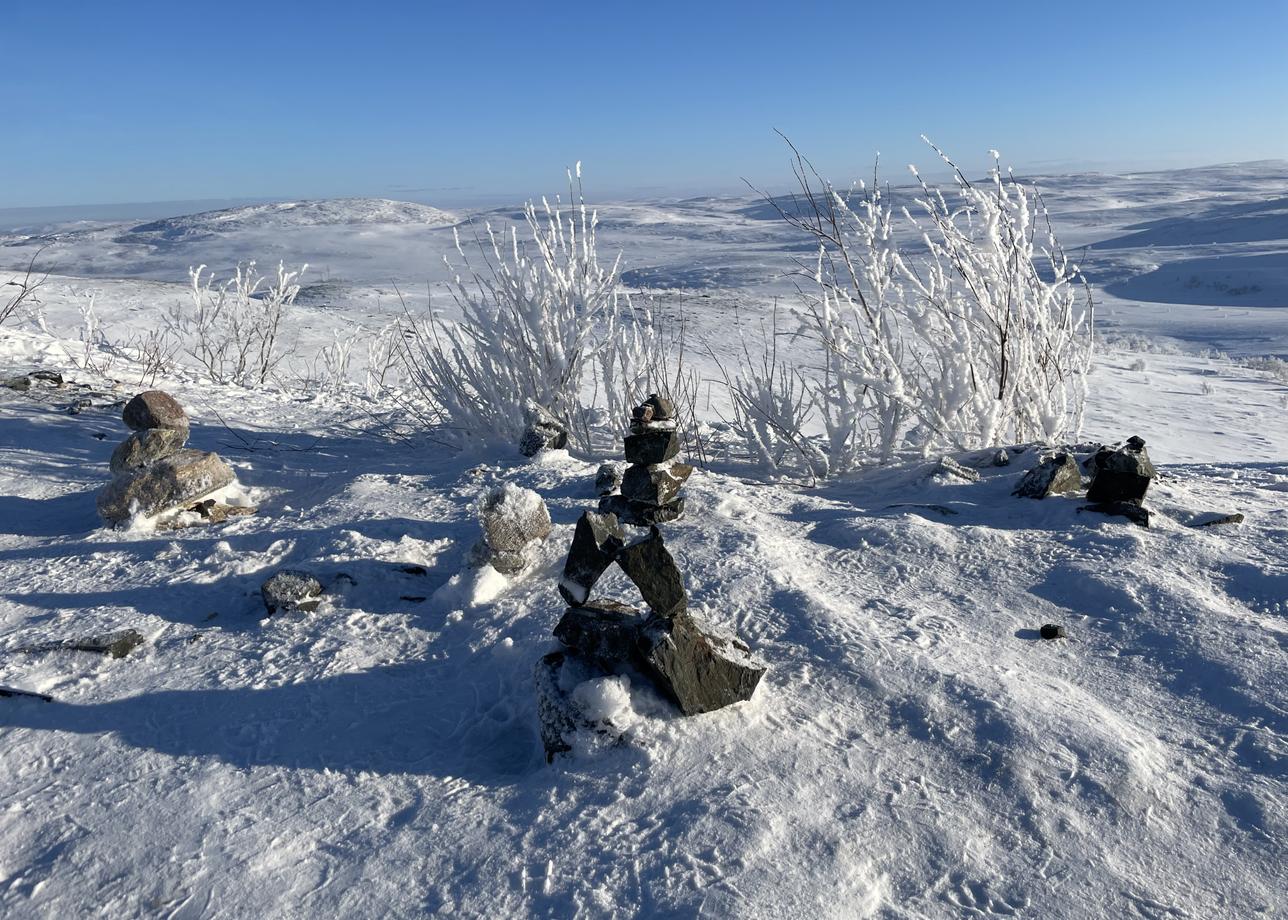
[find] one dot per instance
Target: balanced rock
(655, 485)
(154, 409)
(662, 408)
(291, 590)
(650, 566)
(608, 479)
(698, 669)
(1050, 477)
(596, 542)
(604, 631)
(147, 446)
(1121, 475)
(544, 432)
(641, 514)
(172, 482)
(650, 445)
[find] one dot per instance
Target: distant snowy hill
(293, 214)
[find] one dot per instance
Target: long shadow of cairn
(697, 668)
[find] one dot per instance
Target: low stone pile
(511, 518)
(650, 487)
(153, 471)
(1120, 477)
(696, 667)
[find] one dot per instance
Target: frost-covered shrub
(985, 338)
(542, 320)
(233, 329)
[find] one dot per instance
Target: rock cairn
(1119, 480)
(650, 486)
(153, 471)
(696, 667)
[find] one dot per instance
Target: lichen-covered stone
(291, 590)
(602, 630)
(651, 567)
(596, 542)
(154, 409)
(1052, 476)
(147, 446)
(165, 485)
(699, 669)
(655, 485)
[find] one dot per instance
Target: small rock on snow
(290, 590)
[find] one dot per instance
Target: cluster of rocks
(154, 472)
(698, 668)
(1120, 478)
(649, 490)
(544, 432)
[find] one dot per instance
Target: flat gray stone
(1216, 519)
(169, 483)
(697, 668)
(147, 446)
(650, 566)
(641, 514)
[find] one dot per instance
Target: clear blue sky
(135, 100)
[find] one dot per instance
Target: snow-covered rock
(165, 485)
(1053, 476)
(291, 590)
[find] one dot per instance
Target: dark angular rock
(1216, 519)
(608, 479)
(544, 432)
(164, 485)
(15, 692)
(640, 514)
(650, 446)
(699, 670)
(663, 408)
(651, 567)
(1052, 631)
(291, 590)
(1001, 458)
(154, 409)
(642, 415)
(654, 485)
(1050, 477)
(596, 542)
(1136, 442)
(1121, 475)
(1130, 510)
(146, 446)
(604, 631)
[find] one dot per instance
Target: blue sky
(150, 101)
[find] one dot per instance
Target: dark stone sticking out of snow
(291, 590)
(655, 485)
(596, 542)
(650, 446)
(513, 517)
(698, 669)
(1050, 477)
(1052, 631)
(1216, 519)
(608, 478)
(117, 644)
(1136, 442)
(505, 561)
(640, 514)
(650, 566)
(15, 692)
(544, 432)
(154, 409)
(1130, 510)
(147, 446)
(413, 570)
(24, 382)
(948, 468)
(604, 631)
(169, 483)
(663, 408)
(1001, 458)
(938, 509)
(558, 714)
(1121, 475)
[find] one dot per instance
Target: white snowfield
(915, 750)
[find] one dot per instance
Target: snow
(913, 751)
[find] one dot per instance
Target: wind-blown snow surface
(914, 751)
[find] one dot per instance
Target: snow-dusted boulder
(168, 484)
(291, 590)
(154, 409)
(511, 518)
(544, 432)
(596, 542)
(147, 446)
(1052, 476)
(698, 668)
(1121, 475)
